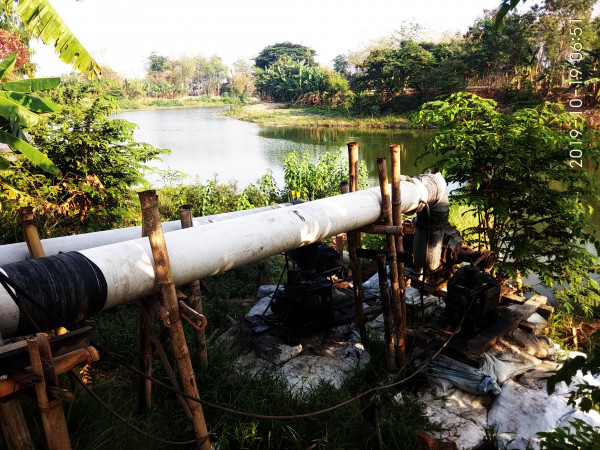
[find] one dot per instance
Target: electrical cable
(426, 259)
(158, 382)
(285, 266)
(125, 421)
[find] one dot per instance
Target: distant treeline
(545, 52)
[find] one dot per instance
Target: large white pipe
(10, 253)
(126, 268)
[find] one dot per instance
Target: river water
(205, 143)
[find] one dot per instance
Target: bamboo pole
(12, 421)
(195, 299)
(30, 234)
(164, 277)
(53, 417)
(145, 351)
(397, 221)
(353, 168)
(146, 317)
(13, 424)
(61, 363)
(388, 334)
(359, 318)
(353, 175)
(392, 257)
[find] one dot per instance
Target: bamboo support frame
(395, 230)
(164, 276)
(195, 299)
(145, 351)
(62, 364)
(388, 333)
(395, 151)
(146, 318)
(13, 424)
(27, 223)
(392, 258)
(53, 418)
(12, 421)
(359, 318)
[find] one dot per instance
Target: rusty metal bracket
(197, 320)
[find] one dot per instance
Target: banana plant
(45, 23)
(19, 110)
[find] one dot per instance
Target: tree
(390, 72)
(340, 64)
(19, 111)
(289, 80)
(513, 171)
(97, 158)
(241, 80)
(498, 57)
(156, 63)
(272, 53)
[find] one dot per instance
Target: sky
(123, 33)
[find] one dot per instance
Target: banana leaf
(7, 65)
(31, 85)
(45, 23)
(34, 155)
(17, 113)
(32, 103)
(4, 163)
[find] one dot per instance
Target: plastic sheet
(462, 376)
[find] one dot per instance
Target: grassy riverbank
(126, 104)
(280, 114)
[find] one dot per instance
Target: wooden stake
(353, 168)
(12, 421)
(359, 319)
(195, 299)
(353, 175)
(30, 234)
(144, 358)
(164, 277)
(61, 363)
(392, 257)
(53, 417)
(146, 317)
(395, 151)
(388, 333)
(145, 351)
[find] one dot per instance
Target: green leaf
(16, 113)
(32, 103)
(45, 23)
(8, 64)
(4, 163)
(34, 155)
(31, 85)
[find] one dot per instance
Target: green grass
(91, 427)
(315, 116)
(181, 102)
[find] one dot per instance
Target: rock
(266, 290)
(261, 307)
